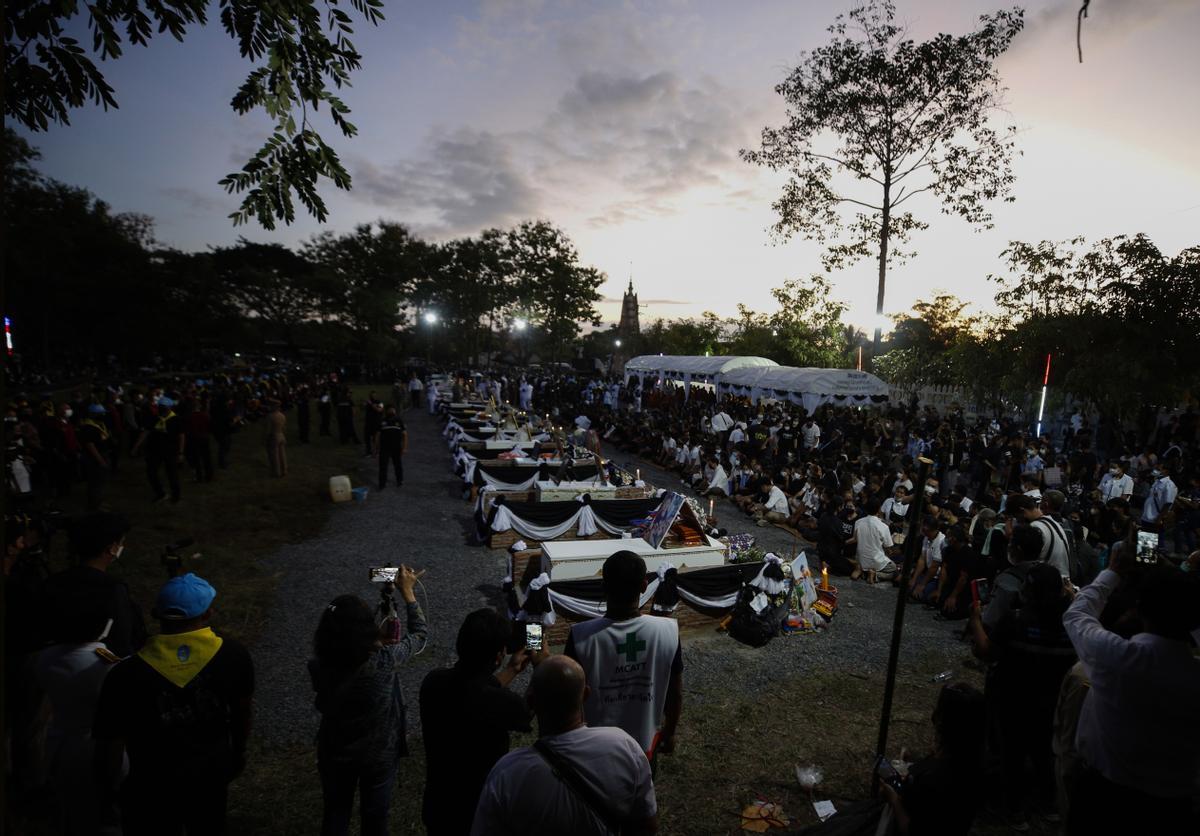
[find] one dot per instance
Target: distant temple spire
(629, 312)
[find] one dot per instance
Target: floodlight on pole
(431, 317)
(617, 343)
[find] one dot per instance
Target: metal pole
(911, 540)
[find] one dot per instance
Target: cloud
(465, 181)
(197, 202)
(653, 133)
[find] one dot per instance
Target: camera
(177, 564)
(383, 575)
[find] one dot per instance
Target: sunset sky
(621, 123)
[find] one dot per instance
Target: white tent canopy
(690, 369)
(808, 387)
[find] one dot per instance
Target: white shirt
(523, 795)
(1116, 487)
(892, 505)
(873, 536)
(1054, 544)
(776, 501)
(1137, 726)
(737, 436)
(1162, 494)
(721, 422)
(415, 385)
(719, 480)
(628, 666)
(932, 550)
(811, 434)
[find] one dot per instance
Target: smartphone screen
(384, 575)
(533, 636)
(1147, 544)
(887, 772)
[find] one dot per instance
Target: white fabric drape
(596, 609)
(585, 518)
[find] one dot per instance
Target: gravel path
(426, 524)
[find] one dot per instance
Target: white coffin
(576, 560)
(549, 491)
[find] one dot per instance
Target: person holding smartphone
(356, 676)
(467, 713)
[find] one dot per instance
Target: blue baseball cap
(96, 409)
(165, 401)
(186, 596)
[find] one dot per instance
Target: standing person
(199, 440)
(275, 439)
(69, 674)
(1137, 734)
(163, 438)
(575, 779)
(181, 710)
(356, 676)
(1157, 508)
(1021, 636)
(467, 712)
(372, 420)
(223, 423)
(325, 412)
(97, 450)
(345, 416)
(1056, 549)
(88, 591)
(303, 412)
(391, 443)
(634, 662)
(415, 387)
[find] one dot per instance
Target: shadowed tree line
(85, 283)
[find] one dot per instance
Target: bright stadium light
(431, 317)
(617, 343)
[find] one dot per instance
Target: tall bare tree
(875, 119)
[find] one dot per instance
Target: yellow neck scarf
(180, 656)
(161, 426)
(88, 422)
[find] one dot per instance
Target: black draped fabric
(616, 512)
(712, 583)
(518, 473)
(666, 597)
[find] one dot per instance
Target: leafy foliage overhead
(301, 52)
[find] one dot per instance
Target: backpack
(752, 628)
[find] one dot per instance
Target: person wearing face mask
(1116, 483)
(1159, 502)
(88, 590)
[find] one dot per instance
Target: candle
(824, 577)
(710, 507)
(638, 474)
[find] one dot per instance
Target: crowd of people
(1070, 561)
(184, 427)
